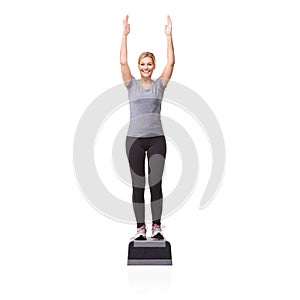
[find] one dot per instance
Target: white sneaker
(141, 233)
(157, 232)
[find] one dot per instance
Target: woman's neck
(146, 82)
(146, 79)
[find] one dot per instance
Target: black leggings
(136, 149)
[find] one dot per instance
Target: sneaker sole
(158, 236)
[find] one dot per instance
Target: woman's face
(146, 67)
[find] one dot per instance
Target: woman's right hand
(126, 26)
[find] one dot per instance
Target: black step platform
(149, 252)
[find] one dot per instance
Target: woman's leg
(156, 162)
(136, 157)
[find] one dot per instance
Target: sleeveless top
(145, 107)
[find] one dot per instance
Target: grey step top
(166, 262)
(150, 242)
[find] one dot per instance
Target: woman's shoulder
(131, 83)
(159, 83)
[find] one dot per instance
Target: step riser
(149, 252)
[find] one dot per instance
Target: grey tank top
(145, 107)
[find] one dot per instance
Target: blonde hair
(147, 54)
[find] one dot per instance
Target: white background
(242, 57)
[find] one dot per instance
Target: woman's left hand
(168, 27)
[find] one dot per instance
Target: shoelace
(142, 229)
(156, 226)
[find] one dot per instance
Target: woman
(145, 132)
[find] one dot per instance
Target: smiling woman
(146, 64)
(145, 133)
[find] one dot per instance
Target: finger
(169, 20)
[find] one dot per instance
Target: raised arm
(126, 74)
(168, 70)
